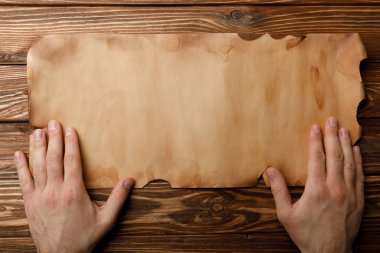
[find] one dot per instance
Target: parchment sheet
(196, 110)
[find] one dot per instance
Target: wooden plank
(370, 107)
(182, 2)
(14, 92)
(262, 243)
(185, 243)
(162, 210)
(179, 243)
(21, 26)
(259, 243)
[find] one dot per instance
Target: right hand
(326, 218)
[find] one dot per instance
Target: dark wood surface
(158, 218)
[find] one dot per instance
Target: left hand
(61, 216)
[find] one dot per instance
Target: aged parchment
(197, 110)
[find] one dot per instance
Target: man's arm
(327, 216)
(61, 216)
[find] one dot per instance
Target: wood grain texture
(13, 93)
(162, 210)
(261, 243)
(21, 26)
(181, 2)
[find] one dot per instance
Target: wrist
(48, 249)
(347, 249)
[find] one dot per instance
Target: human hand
(327, 216)
(61, 216)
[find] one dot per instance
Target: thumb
(279, 190)
(112, 207)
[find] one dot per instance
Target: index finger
(72, 159)
(317, 160)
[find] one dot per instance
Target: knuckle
(337, 155)
(69, 196)
(24, 186)
(339, 194)
(53, 159)
(320, 156)
(350, 166)
(71, 159)
(352, 201)
(358, 163)
(50, 199)
(38, 169)
(318, 192)
(276, 191)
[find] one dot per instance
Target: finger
(359, 184)
(112, 207)
(317, 159)
(334, 153)
(39, 159)
(72, 161)
(349, 169)
(25, 178)
(280, 192)
(31, 153)
(54, 154)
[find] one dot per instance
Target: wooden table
(158, 218)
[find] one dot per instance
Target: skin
(62, 217)
(327, 216)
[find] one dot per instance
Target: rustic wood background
(158, 218)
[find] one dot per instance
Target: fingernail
(333, 122)
(17, 155)
(37, 134)
(343, 133)
(69, 131)
(128, 183)
(270, 174)
(316, 129)
(52, 125)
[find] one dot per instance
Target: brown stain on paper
(317, 86)
(101, 176)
